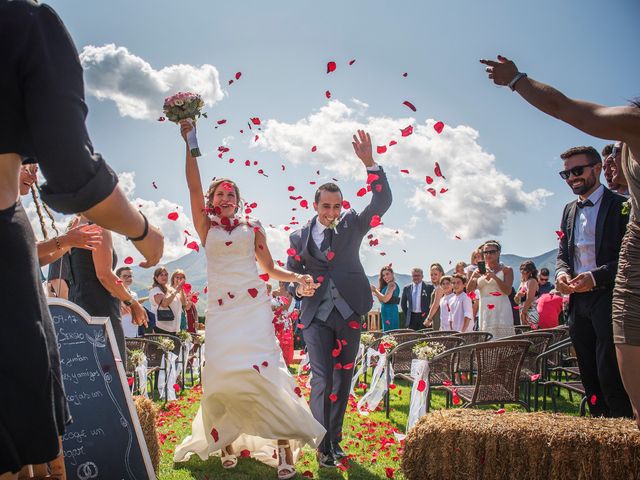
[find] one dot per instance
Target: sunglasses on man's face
(575, 171)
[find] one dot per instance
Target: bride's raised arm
(198, 212)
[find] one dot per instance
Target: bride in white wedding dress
(250, 401)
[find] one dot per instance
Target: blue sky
(587, 49)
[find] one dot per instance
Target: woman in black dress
(43, 117)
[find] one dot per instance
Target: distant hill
(195, 266)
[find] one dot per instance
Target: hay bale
(147, 415)
(479, 444)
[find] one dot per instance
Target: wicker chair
(439, 333)
(522, 329)
(474, 337)
(401, 356)
(196, 352)
(177, 350)
(498, 370)
(154, 354)
(398, 330)
(464, 362)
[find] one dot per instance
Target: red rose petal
(186, 288)
(535, 377)
(354, 324)
(500, 411)
(333, 397)
(245, 453)
(438, 127)
(408, 104)
(362, 192)
(327, 94)
(404, 171)
(407, 131)
(560, 234)
(176, 387)
(193, 246)
(265, 364)
(264, 277)
(238, 75)
(320, 279)
(337, 366)
(228, 243)
(388, 471)
(253, 292)
(291, 252)
(255, 121)
(256, 368)
(346, 205)
(429, 180)
(381, 149)
(495, 294)
(130, 381)
(297, 391)
(491, 306)
(372, 177)
(331, 66)
(314, 148)
(128, 260)
(304, 204)
(375, 221)
(437, 170)
(444, 190)
(392, 143)
(593, 399)
(422, 385)
(221, 122)
(351, 62)
(432, 191)
(330, 255)
(214, 434)
(173, 216)
(347, 366)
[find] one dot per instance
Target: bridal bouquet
(427, 350)
(185, 106)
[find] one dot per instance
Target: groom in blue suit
(327, 248)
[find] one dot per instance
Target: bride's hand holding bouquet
(185, 106)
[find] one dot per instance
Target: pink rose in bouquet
(185, 106)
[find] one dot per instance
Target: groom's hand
(306, 287)
(362, 147)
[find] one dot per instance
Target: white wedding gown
(249, 400)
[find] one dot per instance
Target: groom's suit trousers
(330, 382)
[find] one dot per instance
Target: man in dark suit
(592, 230)
(416, 300)
(327, 248)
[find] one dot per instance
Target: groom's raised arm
(381, 197)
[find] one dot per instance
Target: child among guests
(460, 308)
(445, 312)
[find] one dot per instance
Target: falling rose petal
(230, 82)
(405, 74)
(458, 237)
(392, 143)
(128, 260)
(381, 149)
(560, 234)
(314, 148)
(256, 138)
(408, 104)
(447, 383)
(375, 221)
(351, 62)
(221, 122)
(437, 171)
(265, 364)
(347, 366)
(245, 453)
(535, 377)
(319, 279)
(291, 252)
(173, 216)
(154, 185)
(186, 288)
(362, 192)
(444, 190)
(330, 255)
(495, 294)
(438, 127)
(335, 352)
(331, 66)
(337, 366)
(491, 306)
(333, 397)
(429, 180)
(193, 246)
(176, 387)
(327, 94)
(297, 391)
(264, 277)
(500, 411)
(404, 170)
(455, 398)
(130, 381)
(354, 324)
(304, 204)
(256, 368)
(432, 191)
(372, 177)
(228, 243)
(471, 295)
(231, 295)
(238, 75)
(255, 121)
(253, 292)
(214, 435)
(422, 386)
(407, 131)
(247, 163)
(593, 399)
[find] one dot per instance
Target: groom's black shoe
(326, 459)
(337, 451)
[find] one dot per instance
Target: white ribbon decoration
(363, 367)
(172, 375)
(418, 405)
(141, 373)
(378, 386)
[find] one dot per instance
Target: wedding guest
(621, 123)
(460, 268)
(185, 295)
(166, 303)
(436, 272)
(549, 307)
(544, 285)
(44, 113)
(416, 300)
(459, 306)
(612, 169)
(445, 312)
(130, 329)
(525, 298)
(495, 285)
(97, 289)
(388, 293)
(476, 256)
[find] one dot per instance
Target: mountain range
(195, 266)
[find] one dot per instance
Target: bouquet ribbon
(192, 140)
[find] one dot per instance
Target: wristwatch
(128, 303)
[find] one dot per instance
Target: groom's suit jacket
(344, 270)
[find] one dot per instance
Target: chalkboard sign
(105, 440)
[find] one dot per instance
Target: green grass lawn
(369, 441)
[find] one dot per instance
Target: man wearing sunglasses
(592, 228)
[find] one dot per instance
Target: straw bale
(147, 415)
(482, 445)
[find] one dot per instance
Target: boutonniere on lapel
(334, 225)
(626, 207)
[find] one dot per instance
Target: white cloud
(479, 196)
(113, 73)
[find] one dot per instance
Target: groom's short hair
(327, 187)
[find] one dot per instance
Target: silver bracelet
(516, 79)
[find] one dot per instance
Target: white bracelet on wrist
(516, 79)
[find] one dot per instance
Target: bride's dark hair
(212, 190)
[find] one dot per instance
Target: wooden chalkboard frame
(121, 375)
